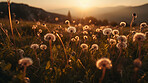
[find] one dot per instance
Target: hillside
(26, 12)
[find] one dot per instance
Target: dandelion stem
(139, 47)
(24, 73)
(80, 54)
(63, 47)
(8, 2)
(51, 56)
(119, 55)
(103, 74)
(132, 22)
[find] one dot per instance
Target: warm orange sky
(57, 4)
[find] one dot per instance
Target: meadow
(72, 53)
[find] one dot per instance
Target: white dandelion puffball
(86, 27)
(143, 25)
(49, 36)
(122, 38)
(94, 47)
(107, 31)
(67, 21)
(146, 34)
(73, 39)
(17, 22)
(25, 61)
(20, 51)
(85, 32)
(104, 63)
(112, 41)
(34, 46)
(71, 29)
(43, 47)
(115, 32)
(121, 45)
(123, 24)
(85, 37)
(77, 38)
(139, 37)
(84, 46)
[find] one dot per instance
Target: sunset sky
(57, 4)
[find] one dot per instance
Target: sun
(84, 4)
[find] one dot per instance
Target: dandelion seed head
(112, 41)
(77, 38)
(40, 31)
(98, 30)
(17, 22)
(86, 27)
(34, 26)
(25, 61)
(73, 39)
(85, 37)
(49, 36)
(121, 45)
(20, 51)
(146, 34)
(34, 46)
(134, 15)
(104, 63)
(139, 37)
(71, 29)
(107, 31)
(123, 24)
(84, 46)
(115, 32)
(38, 23)
(94, 47)
(143, 25)
(85, 32)
(67, 22)
(122, 38)
(43, 47)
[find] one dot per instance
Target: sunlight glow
(84, 4)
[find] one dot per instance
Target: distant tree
(105, 22)
(69, 16)
(113, 24)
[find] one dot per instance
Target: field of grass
(68, 62)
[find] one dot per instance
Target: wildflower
(71, 29)
(121, 45)
(40, 30)
(94, 47)
(34, 46)
(25, 61)
(98, 30)
(112, 41)
(123, 24)
(86, 27)
(85, 32)
(104, 63)
(85, 37)
(73, 40)
(20, 51)
(143, 24)
(122, 38)
(107, 31)
(77, 38)
(43, 47)
(115, 32)
(84, 46)
(17, 22)
(49, 36)
(137, 63)
(34, 27)
(139, 37)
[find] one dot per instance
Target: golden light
(84, 4)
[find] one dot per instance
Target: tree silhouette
(69, 16)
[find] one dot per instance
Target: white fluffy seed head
(43, 47)
(84, 46)
(139, 37)
(123, 24)
(122, 38)
(71, 29)
(86, 27)
(107, 31)
(49, 36)
(115, 32)
(112, 41)
(104, 63)
(25, 61)
(137, 63)
(143, 25)
(34, 46)
(121, 45)
(85, 32)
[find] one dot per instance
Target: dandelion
(49, 36)
(43, 47)
(122, 38)
(86, 27)
(17, 22)
(94, 38)
(26, 80)
(112, 42)
(134, 16)
(139, 37)
(103, 63)
(146, 34)
(73, 39)
(20, 52)
(123, 24)
(107, 31)
(85, 32)
(34, 27)
(115, 36)
(77, 38)
(40, 31)
(38, 23)
(94, 47)
(85, 37)
(34, 46)
(71, 29)
(142, 26)
(25, 62)
(67, 22)
(115, 32)
(84, 46)
(79, 25)
(98, 30)
(137, 63)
